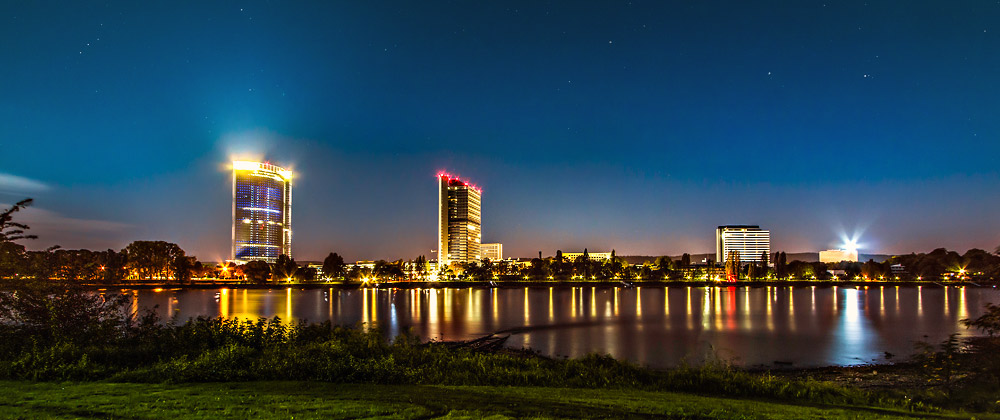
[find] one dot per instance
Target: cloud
(50, 220)
(56, 229)
(19, 184)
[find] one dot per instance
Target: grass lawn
(339, 401)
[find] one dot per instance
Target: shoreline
(529, 284)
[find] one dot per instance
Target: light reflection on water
(806, 326)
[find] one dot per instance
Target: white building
(838, 255)
(492, 251)
(750, 241)
(593, 256)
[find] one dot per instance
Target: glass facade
(262, 211)
(459, 220)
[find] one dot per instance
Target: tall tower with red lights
(459, 220)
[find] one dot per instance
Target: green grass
(340, 401)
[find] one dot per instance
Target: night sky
(632, 125)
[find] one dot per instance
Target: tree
(182, 267)
(284, 268)
(257, 272)
(305, 274)
(10, 230)
(153, 259)
(762, 265)
(420, 266)
(53, 311)
(988, 323)
(13, 259)
(780, 265)
(333, 266)
(113, 266)
(685, 260)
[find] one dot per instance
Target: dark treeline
(938, 265)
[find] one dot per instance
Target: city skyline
(636, 127)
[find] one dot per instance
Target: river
(653, 326)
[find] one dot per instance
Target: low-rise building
(838, 255)
(492, 251)
(593, 256)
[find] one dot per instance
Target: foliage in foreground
(204, 349)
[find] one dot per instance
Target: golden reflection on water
(572, 312)
(897, 300)
(690, 311)
(836, 307)
(496, 307)
(881, 299)
(593, 302)
(224, 303)
(526, 314)
(920, 301)
(615, 308)
(963, 312)
(945, 301)
(666, 301)
(288, 303)
(770, 316)
(638, 302)
(552, 313)
(791, 310)
(725, 319)
(746, 308)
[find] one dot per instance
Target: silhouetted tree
(420, 266)
(333, 265)
(305, 274)
(284, 268)
(149, 259)
(10, 230)
(257, 272)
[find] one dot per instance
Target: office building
(492, 251)
(459, 220)
(593, 256)
(838, 255)
(262, 211)
(749, 241)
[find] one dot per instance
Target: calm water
(656, 326)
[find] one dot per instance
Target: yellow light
(242, 165)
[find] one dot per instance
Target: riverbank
(304, 400)
(527, 283)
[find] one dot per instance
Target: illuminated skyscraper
(750, 242)
(262, 211)
(459, 220)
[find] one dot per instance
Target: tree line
(165, 262)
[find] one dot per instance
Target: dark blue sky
(637, 126)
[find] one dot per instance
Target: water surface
(655, 326)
